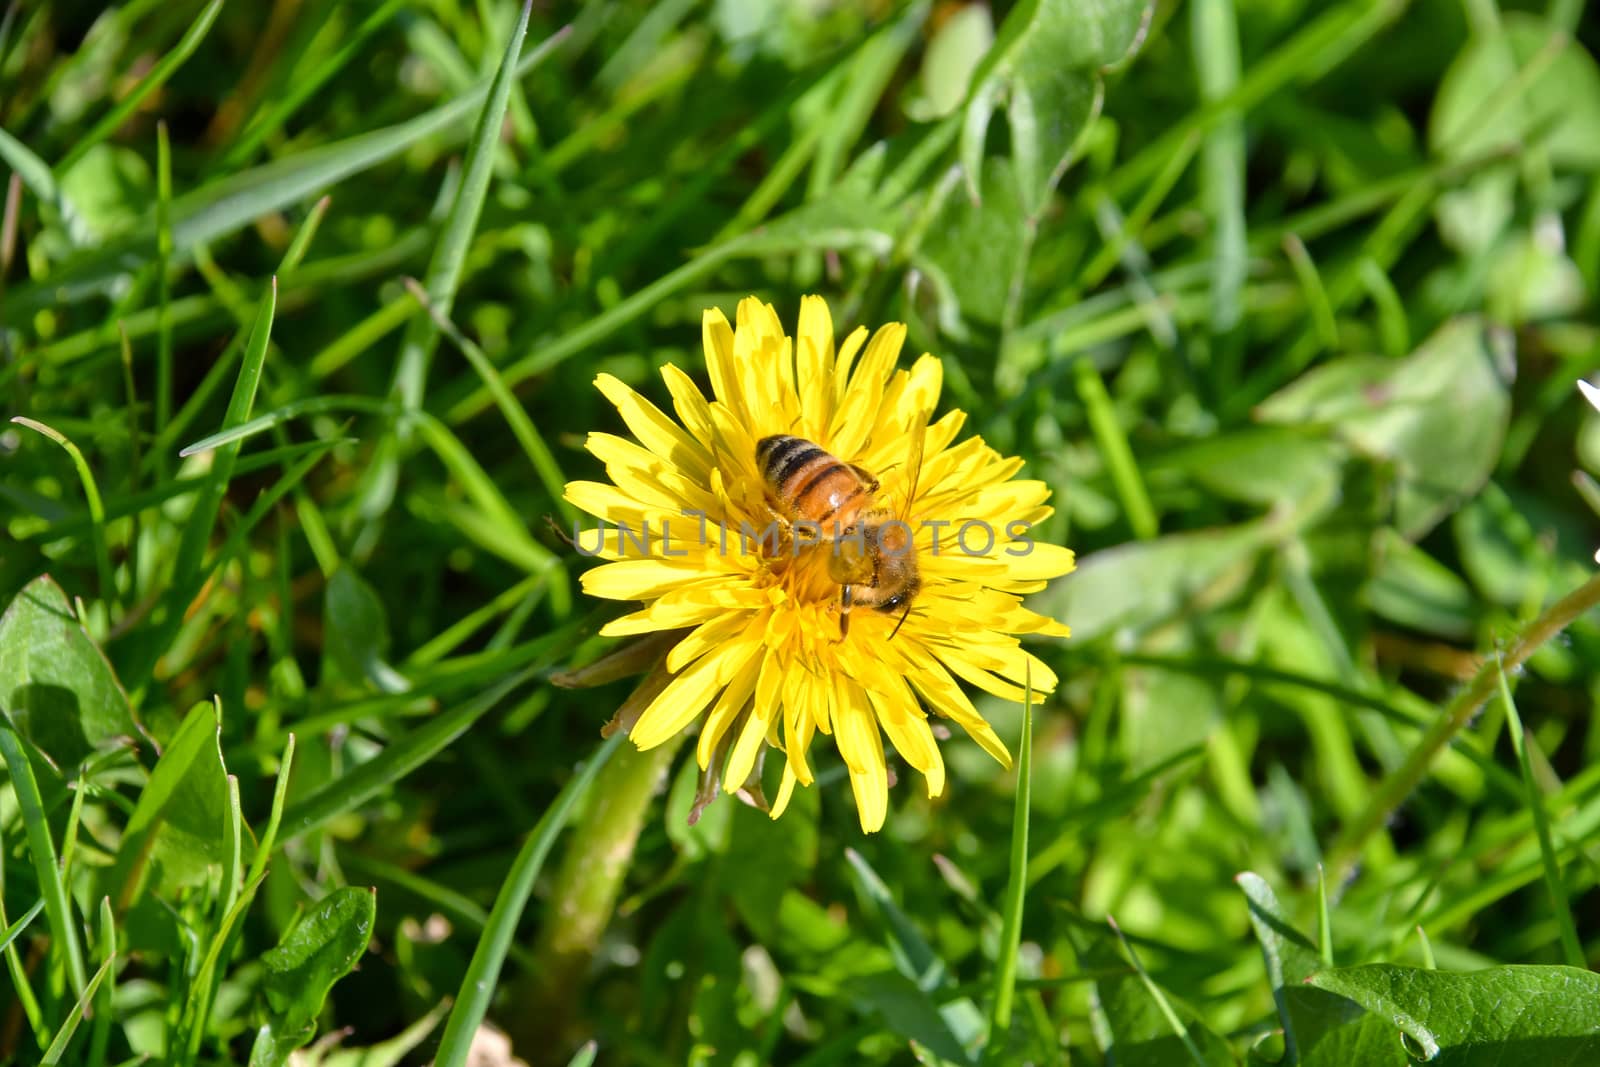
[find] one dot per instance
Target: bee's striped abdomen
(809, 482)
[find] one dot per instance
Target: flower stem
(585, 892)
(1403, 779)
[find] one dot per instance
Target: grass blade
(187, 572)
(34, 172)
(1005, 971)
(63, 1038)
(478, 984)
(91, 492)
(163, 289)
(1162, 1003)
(158, 75)
(12, 932)
(1215, 31)
(1571, 947)
(14, 965)
(57, 905)
(269, 836)
(303, 89)
(1114, 447)
(516, 416)
(228, 205)
(100, 1032)
(444, 270)
(203, 991)
(398, 760)
(311, 405)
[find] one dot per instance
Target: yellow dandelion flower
(690, 527)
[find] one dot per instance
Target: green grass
(300, 311)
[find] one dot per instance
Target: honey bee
(870, 551)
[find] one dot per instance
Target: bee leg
(904, 615)
(844, 612)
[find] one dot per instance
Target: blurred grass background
(1285, 300)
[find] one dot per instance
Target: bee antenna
(559, 532)
(904, 615)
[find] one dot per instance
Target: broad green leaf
(1412, 413)
(1321, 1029)
(1548, 1016)
(356, 632)
(1165, 713)
(845, 219)
(178, 820)
(1533, 279)
(1522, 84)
(109, 189)
(952, 55)
(1046, 65)
(316, 952)
(975, 250)
(1260, 465)
(55, 682)
(777, 856)
(1141, 583)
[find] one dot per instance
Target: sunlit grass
(1284, 303)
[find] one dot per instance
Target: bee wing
(918, 435)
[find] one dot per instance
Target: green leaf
(1143, 1018)
(316, 952)
(55, 683)
(973, 253)
(1141, 583)
(1320, 1029)
(1259, 465)
(907, 1011)
(1410, 413)
(178, 820)
(917, 962)
(1544, 1015)
(952, 56)
(778, 856)
(1413, 589)
(109, 188)
(1046, 65)
(356, 629)
(1522, 84)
